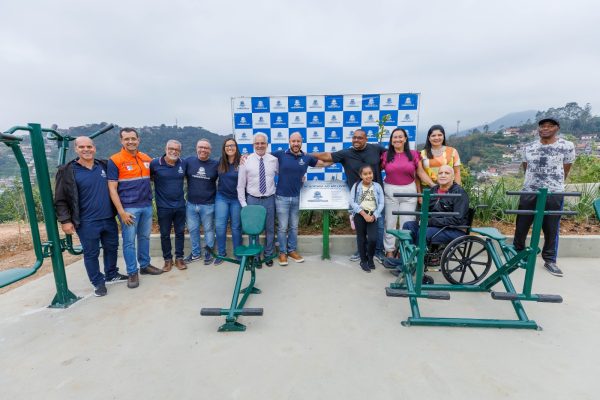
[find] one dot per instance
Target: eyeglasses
(230, 146)
(204, 147)
(173, 149)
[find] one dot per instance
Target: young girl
(367, 201)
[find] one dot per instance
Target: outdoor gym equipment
(253, 223)
(463, 260)
(54, 247)
(409, 283)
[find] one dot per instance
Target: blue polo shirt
(168, 183)
(292, 168)
(201, 180)
(92, 187)
(228, 182)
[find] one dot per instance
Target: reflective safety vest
(133, 175)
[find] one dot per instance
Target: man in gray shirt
(547, 162)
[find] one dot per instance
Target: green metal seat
(253, 223)
(597, 208)
(400, 234)
(15, 274)
(492, 233)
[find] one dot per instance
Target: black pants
(167, 218)
(366, 238)
(550, 225)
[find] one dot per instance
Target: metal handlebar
(6, 137)
(518, 193)
(101, 131)
(533, 212)
(52, 134)
(431, 195)
(433, 213)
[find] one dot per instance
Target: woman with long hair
(403, 170)
(436, 153)
(227, 205)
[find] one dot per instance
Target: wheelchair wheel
(465, 260)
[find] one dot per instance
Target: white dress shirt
(248, 177)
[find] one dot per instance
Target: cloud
(147, 63)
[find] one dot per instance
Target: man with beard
(352, 159)
(131, 193)
(293, 164)
(167, 173)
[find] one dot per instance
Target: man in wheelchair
(441, 229)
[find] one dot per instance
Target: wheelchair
(463, 261)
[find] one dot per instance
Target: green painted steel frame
(54, 247)
(237, 305)
(512, 261)
(247, 263)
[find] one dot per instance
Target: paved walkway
(328, 332)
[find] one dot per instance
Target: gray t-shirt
(545, 164)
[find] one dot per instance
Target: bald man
(437, 227)
(83, 205)
(293, 164)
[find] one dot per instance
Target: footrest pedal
(210, 312)
(256, 312)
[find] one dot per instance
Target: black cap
(549, 119)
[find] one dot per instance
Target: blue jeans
(443, 237)
(167, 218)
(288, 214)
(227, 209)
(269, 204)
(141, 227)
(91, 234)
(196, 215)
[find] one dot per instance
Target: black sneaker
(100, 290)
(365, 266)
(117, 278)
(191, 258)
(427, 280)
(371, 265)
(269, 263)
(208, 258)
(553, 268)
(380, 258)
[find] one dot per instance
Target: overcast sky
(152, 62)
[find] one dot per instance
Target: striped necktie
(262, 177)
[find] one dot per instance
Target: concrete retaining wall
(569, 246)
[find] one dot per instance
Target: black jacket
(446, 204)
(66, 197)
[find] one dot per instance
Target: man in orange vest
(130, 192)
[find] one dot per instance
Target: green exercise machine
(506, 260)
(249, 259)
(54, 247)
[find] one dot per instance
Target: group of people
(91, 192)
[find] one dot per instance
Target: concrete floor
(328, 332)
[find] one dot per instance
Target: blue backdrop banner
(326, 122)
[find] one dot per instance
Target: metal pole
(64, 297)
(325, 253)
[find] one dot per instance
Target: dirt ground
(16, 249)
